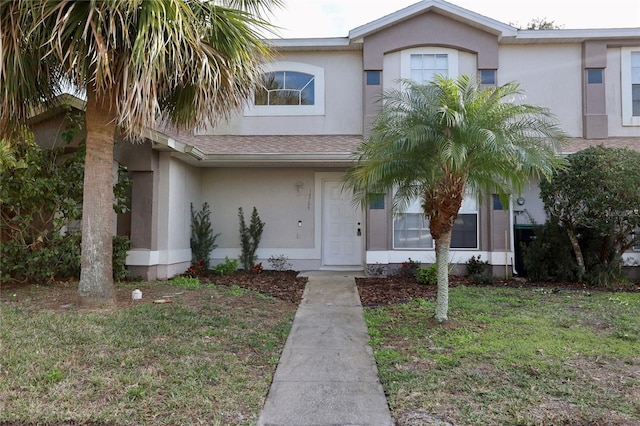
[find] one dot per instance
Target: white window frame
(317, 108)
(469, 206)
(625, 87)
(452, 59)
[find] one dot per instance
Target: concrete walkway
(326, 374)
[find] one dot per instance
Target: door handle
(359, 233)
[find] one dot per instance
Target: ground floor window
(411, 229)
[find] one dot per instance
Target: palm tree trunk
(96, 286)
(442, 264)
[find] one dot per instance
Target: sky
(334, 18)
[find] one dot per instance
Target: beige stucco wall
(550, 75)
(343, 101)
(274, 193)
(179, 186)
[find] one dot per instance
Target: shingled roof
(298, 150)
(270, 144)
(578, 144)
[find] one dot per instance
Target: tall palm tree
(140, 63)
(434, 142)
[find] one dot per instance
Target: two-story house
(287, 151)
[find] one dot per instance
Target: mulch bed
(283, 285)
(376, 291)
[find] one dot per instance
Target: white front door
(342, 227)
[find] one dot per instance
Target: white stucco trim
(625, 86)
(497, 258)
(144, 257)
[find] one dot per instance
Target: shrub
(409, 268)
(549, 254)
(476, 266)
(229, 267)
(478, 270)
(195, 270)
(280, 263)
(257, 268)
(427, 275)
(121, 245)
(203, 241)
(40, 206)
(249, 238)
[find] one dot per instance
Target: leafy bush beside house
(598, 192)
(40, 205)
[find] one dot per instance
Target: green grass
(207, 358)
(513, 356)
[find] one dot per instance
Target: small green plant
(53, 376)
(228, 267)
(280, 263)
(136, 392)
(236, 291)
(427, 275)
(190, 283)
(203, 241)
(249, 238)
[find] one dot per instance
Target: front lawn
(206, 358)
(512, 356)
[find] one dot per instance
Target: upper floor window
(488, 77)
(425, 66)
(635, 84)
(422, 64)
(286, 88)
(630, 85)
(289, 88)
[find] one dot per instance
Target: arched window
(286, 88)
(289, 88)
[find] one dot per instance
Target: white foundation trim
(498, 258)
(143, 257)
